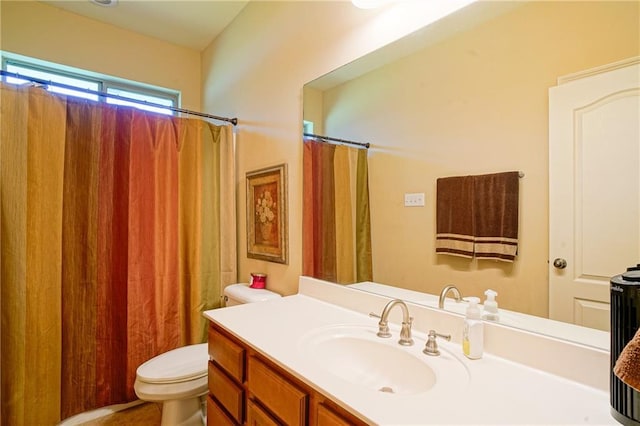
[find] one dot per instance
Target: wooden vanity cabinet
(245, 388)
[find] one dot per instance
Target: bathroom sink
(356, 355)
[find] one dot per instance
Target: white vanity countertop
(498, 392)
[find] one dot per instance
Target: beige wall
(256, 69)
(477, 104)
(50, 34)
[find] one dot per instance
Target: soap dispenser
(473, 332)
(490, 311)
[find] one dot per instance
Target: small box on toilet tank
(257, 280)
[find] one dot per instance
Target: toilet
(178, 378)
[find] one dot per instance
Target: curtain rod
(327, 138)
(233, 121)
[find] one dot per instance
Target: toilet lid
(177, 365)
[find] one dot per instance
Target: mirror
(466, 95)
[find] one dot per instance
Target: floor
(147, 414)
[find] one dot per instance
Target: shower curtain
(336, 219)
(117, 231)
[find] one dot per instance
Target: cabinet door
(216, 416)
(278, 394)
(256, 416)
(327, 415)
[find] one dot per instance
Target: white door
(594, 190)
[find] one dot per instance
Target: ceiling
(192, 24)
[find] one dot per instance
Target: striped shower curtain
(117, 231)
(336, 223)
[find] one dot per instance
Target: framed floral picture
(267, 231)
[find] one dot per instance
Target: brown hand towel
(627, 366)
(454, 216)
(495, 209)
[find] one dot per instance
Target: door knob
(560, 263)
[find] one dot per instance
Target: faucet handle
(383, 326)
(431, 347)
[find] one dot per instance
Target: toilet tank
(238, 294)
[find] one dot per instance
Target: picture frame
(267, 220)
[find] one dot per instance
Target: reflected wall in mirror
(472, 99)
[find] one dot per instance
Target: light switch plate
(415, 199)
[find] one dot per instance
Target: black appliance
(625, 320)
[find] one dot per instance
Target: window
(55, 78)
(140, 97)
(307, 126)
(144, 97)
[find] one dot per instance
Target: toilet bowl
(178, 378)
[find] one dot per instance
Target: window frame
(104, 82)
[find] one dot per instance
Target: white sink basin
(356, 355)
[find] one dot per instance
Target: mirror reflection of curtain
(336, 219)
(112, 233)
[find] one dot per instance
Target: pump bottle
(490, 311)
(473, 332)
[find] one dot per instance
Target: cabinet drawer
(228, 354)
(277, 393)
(256, 416)
(226, 392)
(216, 416)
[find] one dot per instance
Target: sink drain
(386, 389)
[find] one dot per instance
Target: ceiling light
(106, 3)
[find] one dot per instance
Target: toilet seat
(182, 364)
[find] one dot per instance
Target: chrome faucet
(405, 331)
(443, 294)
